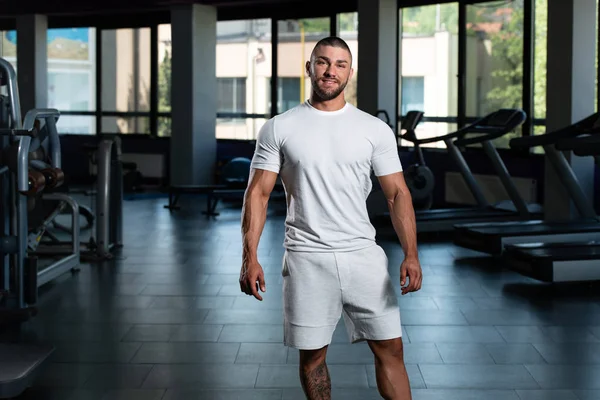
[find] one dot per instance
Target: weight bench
(214, 194)
(20, 365)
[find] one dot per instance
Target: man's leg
(390, 371)
(314, 375)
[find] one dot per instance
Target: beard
(326, 94)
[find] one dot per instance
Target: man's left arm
(402, 214)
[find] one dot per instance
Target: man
(324, 150)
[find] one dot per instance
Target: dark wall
(519, 165)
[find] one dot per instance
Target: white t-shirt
(325, 159)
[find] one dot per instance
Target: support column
(377, 55)
(570, 96)
(32, 61)
(194, 95)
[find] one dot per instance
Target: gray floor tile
(515, 354)
(186, 353)
(336, 393)
(570, 353)
(196, 377)
(118, 376)
(462, 353)
(251, 317)
(569, 377)
(252, 333)
(477, 377)
(524, 334)
(587, 394)
(150, 333)
(96, 353)
(469, 394)
(196, 333)
(546, 395)
(173, 302)
(454, 334)
(262, 353)
(286, 376)
(154, 316)
(224, 394)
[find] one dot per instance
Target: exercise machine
(233, 182)
(483, 132)
(492, 238)
(419, 178)
(21, 185)
(561, 261)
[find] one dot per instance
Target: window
(413, 93)
(429, 66)
(126, 79)
(297, 38)
(164, 79)
(8, 47)
(494, 75)
(289, 92)
(72, 77)
(347, 29)
(244, 73)
(539, 66)
(231, 95)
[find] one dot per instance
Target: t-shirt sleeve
(267, 154)
(386, 159)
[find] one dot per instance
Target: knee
(389, 350)
(309, 359)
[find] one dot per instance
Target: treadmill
(560, 262)
(482, 131)
(492, 238)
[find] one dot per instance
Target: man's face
(329, 69)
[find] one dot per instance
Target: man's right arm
(254, 210)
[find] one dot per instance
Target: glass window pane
(239, 128)
(347, 29)
(8, 47)
(76, 124)
(164, 126)
(243, 70)
(126, 70)
(72, 69)
(494, 56)
(431, 129)
(539, 60)
(164, 68)
(429, 61)
(296, 41)
(134, 125)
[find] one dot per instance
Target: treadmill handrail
(490, 133)
(482, 127)
(585, 126)
(585, 142)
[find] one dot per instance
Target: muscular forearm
(403, 219)
(254, 215)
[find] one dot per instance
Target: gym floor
(166, 320)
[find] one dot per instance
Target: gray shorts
(318, 287)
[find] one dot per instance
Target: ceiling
(11, 8)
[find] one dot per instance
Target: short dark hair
(334, 41)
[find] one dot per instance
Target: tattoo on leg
(316, 382)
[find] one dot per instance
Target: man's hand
(251, 278)
(410, 269)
